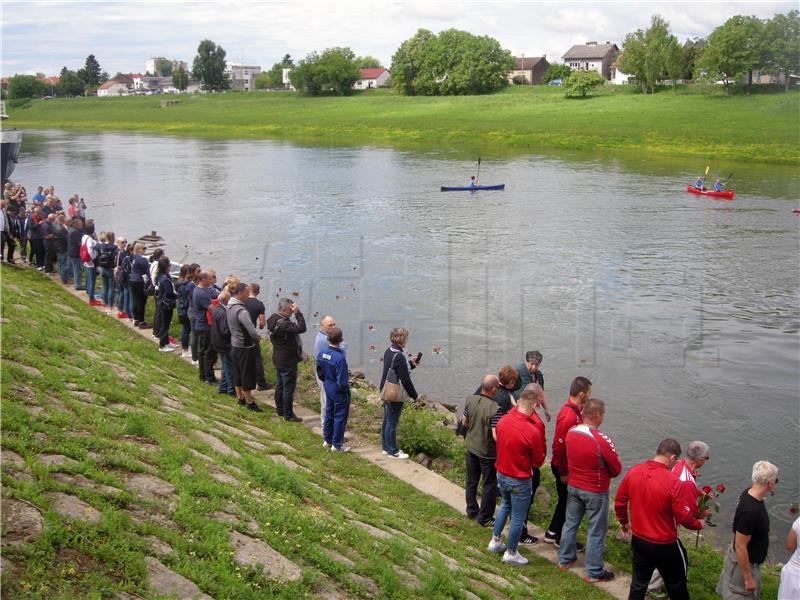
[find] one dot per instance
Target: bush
(421, 430)
(580, 83)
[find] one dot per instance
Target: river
(683, 311)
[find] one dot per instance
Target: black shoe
(233, 394)
(241, 402)
(293, 419)
(580, 548)
(606, 576)
(263, 387)
(254, 407)
(212, 381)
(528, 539)
(550, 538)
(489, 523)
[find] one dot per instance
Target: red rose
(793, 509)
(720, 488)
(706, 489)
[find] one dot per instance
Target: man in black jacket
(287, 351)
(221, 343)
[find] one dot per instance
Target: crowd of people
(505, 438)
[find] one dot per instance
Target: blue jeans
(107, 291)
(124, 298)
(64, 268)
(91, 279)
(77, 272)
(595, 504)
(391, 417)
(285, 383)
(186, 330)
(516, 498)
(337, 408)
(226, 373)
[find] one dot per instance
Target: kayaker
(699, 183)
(472, 182)
(718, 186)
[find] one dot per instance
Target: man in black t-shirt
(741, 573)
(258, 314)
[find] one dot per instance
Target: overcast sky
(44, 36)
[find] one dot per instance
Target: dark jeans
(49, 256)
(157, 322)
(139, 298)
(108, 284)
(205, 354)
(186, 331)
(226, 374)
(560, 513)
(64, 267)
(8, 241)
(391, 417)
(260, 378)
(285, 384)
(77, 272)
(37, 252)
(165, 318)
(479, 468)
(337, 409)
(91, 281)
(669, 559)
(535, 479)
(193, 342)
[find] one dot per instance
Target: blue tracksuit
(332, 371)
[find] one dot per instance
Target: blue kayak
(466, 188)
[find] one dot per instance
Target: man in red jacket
(650, 504)
(568, 417)
(519, 451)
(592, 460)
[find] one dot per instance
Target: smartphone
(419, 357)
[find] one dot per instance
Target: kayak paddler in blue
(699, 183)
(472, 182)
(718, 186)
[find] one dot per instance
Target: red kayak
(721, 195)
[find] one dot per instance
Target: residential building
(113, 87)
(531, 69)
(287, 84)
(150, 65)
(372, 78)
(242, 76)
(592, 56)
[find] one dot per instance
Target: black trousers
(260, 377)
(139, 299)
(285, 384)
(49, 256)
(535, 480)
(165, 320)
(205, 354)
(479, 468)
(560, 513)
(669, 559)
(157, 321)
(8, 241)
(37, 252)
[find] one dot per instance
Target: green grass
(77, 383)
(696, 121)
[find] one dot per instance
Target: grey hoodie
(243, 333)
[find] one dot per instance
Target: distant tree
(556, 72)
(180, 79)
(645, 53)
(26, 86)
(69, 84)
(334, 71)
(734, 49)
(103, 77)
(209, 66)
(275, 74)
(454, 62)
(368, 62)
(162, 66)
(673, 61)
(90, 73)
(691, 51)
(119, 75)
(782, 40)
(580, 83)
(262, 81)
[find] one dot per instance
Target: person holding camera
(287, 351)
(396, 363)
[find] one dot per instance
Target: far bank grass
(761, 127)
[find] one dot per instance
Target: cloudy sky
(44, 36)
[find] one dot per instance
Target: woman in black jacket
(166, 299)
(395, 358)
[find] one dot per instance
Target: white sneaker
(496, 546)
(186, 354)
(399, 454)
(341, 449)
(195, 362)
(384, 452)
(514, 558)
(325, 444)
(166, 349)
(173, 346)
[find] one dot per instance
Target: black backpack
(105, 256)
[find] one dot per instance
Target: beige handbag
(393, 390)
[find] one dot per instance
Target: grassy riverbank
(120, 470)
(761, 127)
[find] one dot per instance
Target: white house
(372, 78)
(617, 76)
(242, 76)
(592, 56)
(287, 83)
(112, 88)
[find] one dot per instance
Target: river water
(683, 311)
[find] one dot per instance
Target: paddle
(724, 185)
(479, 171)
(704, 177)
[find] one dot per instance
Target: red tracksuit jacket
(591, 458)
(567, 418)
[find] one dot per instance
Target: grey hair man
(741, 571)
(287, 351)
(321, 343)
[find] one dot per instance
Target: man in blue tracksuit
(332, 371)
